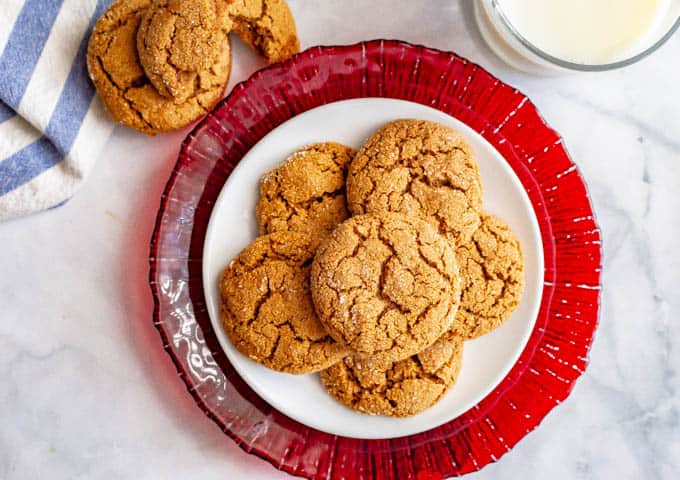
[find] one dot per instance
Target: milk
(586, 31)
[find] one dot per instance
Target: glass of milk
(553, 36)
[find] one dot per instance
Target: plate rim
(229, 350)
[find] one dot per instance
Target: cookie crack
(444, 229)
(258, 305)
(274, 348)
(446, 182)
(425, 374)
(262, 259)
(306, 204)
(506, 276)
(305, 340)
(105, 52)
(383, 274)
(168, 51)
(335, 156)
(441, 270)
(409, 189)
(290, 212)
(123, 92)
(498, 299)
(392, 379)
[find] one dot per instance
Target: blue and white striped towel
(51, 129)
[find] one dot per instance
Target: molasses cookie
(386, 285)
(267, 26)
(397, 389)
(126, 91)
(307, 191)
(492, 274)
(267, 309)
(183, 44)
(418, 168)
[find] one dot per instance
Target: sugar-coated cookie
(267, 309)
(182, 45)
(418, 168)
(396, 389)
(492, 275)
(386, 285)
(307, 191)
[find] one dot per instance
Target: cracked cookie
(267, 309)
(126, 91)
(492, 274)
(307, 191)
(386, 285)
(182, 46)
(397, 389)
(267, 26)
(418, 168)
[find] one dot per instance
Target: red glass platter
(555, 352)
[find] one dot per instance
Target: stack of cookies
(373, 268)
(159, 65)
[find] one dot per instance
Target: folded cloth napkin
(52, 126)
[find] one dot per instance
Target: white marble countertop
(88, 392)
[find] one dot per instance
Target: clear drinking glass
(509, 43)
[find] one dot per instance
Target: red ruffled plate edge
(557, 351)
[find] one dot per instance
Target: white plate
(232, 226)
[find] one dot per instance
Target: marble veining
(88, 393)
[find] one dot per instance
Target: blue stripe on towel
(77, 94)
(27, 163)
(5, 112)
(72, 106)
(24, 46)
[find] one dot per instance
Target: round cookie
(396, 389)
(421, 168)
(307, 191)
(267, 26)
(126, 91)
(267, 309)
(492, 273)
(386, 285)
(182, 44)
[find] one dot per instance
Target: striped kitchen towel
(52, 126)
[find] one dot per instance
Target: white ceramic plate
(486, 361)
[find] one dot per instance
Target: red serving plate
(557, 351)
